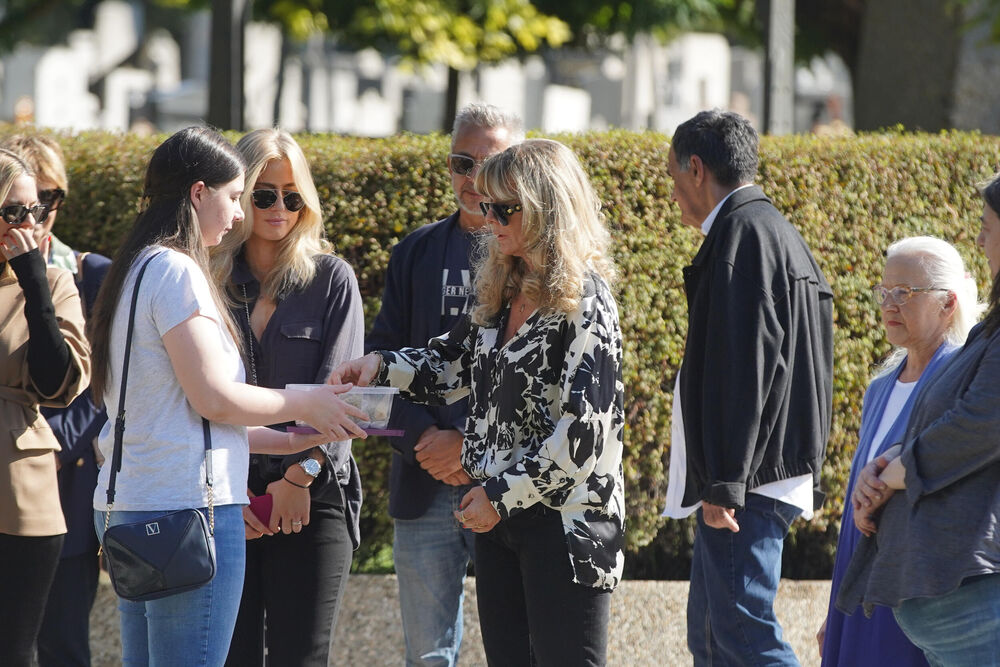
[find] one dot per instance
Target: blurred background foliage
(849, 197)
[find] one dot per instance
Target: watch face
(311, 466)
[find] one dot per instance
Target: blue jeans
(431, 555)
(734, 578)
(958, 629)
(192, 628)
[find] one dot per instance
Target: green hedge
(850, 198)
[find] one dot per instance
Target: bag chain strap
(116, 459)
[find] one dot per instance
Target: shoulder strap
(116, 457)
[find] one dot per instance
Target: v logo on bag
(153, 528)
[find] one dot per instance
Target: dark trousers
(530, 610)
(293, 585)
(27, 566)
(64, 639)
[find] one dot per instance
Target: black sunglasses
(501, 212)
(52, 198)
(265, 199)
(16, 213)
(463, 165)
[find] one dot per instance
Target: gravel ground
(647, 623)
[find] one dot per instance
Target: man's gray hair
(487, 117)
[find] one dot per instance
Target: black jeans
(27, 566)
(530, 610)
(64, 639)
(294, 584)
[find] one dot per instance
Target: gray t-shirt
(163, 459)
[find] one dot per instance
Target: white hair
(488, 117)
(943, 268)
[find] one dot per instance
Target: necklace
(246, 309)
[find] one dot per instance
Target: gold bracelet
(381, 364)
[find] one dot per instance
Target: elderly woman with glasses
(540, 360)
(928, 304)
(44, 360)
(930, 507)
(299, 312)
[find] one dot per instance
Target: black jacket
(410, 315)
(757, 377)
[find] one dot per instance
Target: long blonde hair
(561, 224)
(294, 267)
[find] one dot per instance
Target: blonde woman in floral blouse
(540, 358)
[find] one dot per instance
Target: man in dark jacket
(428, 288)
(754, 391)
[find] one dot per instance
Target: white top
(163, 451)
(897, 399)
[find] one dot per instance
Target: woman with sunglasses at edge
(64, 638)
(185, 365)
(927, 303)
(540, 359)
(300, 313)
(45, 360)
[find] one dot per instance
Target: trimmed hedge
(850, 198)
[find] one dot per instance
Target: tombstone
(423, 100)
(261, 63)
(698, 69)
(62, 97)
(116, 34)
(163, 56)
(566, 109)
(291, 111)
(503, 85)
(343, 93)
(125, 89)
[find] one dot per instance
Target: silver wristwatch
(311, 466)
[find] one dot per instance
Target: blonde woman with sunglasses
(44, 360)
(540, 359)
(299, 311)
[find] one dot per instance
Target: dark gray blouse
(311, 331)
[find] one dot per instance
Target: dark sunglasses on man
(501, 212)
(265, 199)
(16, 213)
(463, 165)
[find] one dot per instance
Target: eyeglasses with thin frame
(15, 214)
(265, 199)
(899, 294)
(501, 212)
(463, 165)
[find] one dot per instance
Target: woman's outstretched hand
(360, 371)
(329, 414)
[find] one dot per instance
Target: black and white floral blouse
(546, 418)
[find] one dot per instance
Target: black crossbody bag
(168, 554)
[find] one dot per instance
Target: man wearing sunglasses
(753, 398)
(427, 290)
(64, 635)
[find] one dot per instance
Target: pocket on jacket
(34, 438)
(302, 347)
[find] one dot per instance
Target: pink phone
(261, 507)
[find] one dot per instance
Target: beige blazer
(29, 495)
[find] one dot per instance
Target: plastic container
(376, 402)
